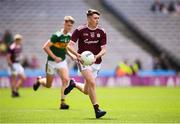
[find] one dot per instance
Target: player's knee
(65, 81)
(23, 78)
(48, 85)
(91, 82)
(13, 77)
(86, 92)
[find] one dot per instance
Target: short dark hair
(90, 12)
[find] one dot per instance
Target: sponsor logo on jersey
(91, 42)
(92, 34)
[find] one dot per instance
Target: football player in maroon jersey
(15, 70)
(90, 37)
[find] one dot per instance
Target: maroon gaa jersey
(15, 52)
(89, 40)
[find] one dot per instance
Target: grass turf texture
(137, 104)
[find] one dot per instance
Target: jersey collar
(91, 28)
(62, 32)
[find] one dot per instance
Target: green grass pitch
(134, 104)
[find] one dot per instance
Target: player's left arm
(102, 52)
(103, 45)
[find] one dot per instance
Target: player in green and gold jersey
(55, 48)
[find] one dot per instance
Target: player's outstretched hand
(57, 59)
(80, 60)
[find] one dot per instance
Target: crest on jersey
(92, 34)
(85, 34)
(98, 35)
(65, 40)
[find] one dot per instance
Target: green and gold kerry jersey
(60, 42)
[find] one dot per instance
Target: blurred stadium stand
(36, 20)
(161, 31)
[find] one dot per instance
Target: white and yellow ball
(87, 57)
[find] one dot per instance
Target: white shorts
(52, 66)
(16, 69)
(95, 68)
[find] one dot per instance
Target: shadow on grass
(53, 109)
(100, 119)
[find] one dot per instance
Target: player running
(15, 68)
(90, 37)
(55, 47)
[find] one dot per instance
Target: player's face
(18, 41)
(93, 20)
(68, 26)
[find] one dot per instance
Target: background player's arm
(8, 57)
(47, 49)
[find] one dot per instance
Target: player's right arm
(70, 46)
(72, 56)
(71, 49)
(47, 49)
(8, 57)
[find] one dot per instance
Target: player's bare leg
(13, 82)
(90, 85)
(82, 87)
(46, 82)
(88, 88)
(13, 86)
(20, 81)
(64, 74)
